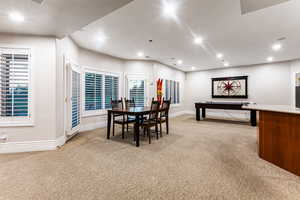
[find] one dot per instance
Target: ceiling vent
(248, 6)
(38, 1)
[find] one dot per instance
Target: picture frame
(230, 87)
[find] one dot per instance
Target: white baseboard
(29, 146)
(61, 141)
(90, 127)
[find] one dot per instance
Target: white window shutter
(137, 92)
(14, 83)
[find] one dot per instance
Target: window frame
(175, 92)
(20, 121)
(103, 111)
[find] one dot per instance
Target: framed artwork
(230, 87)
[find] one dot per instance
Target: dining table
(137, 112)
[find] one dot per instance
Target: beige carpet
(198, 160)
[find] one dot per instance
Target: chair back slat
(129, 103)
(165, 108)
(155, 105)
(117, 104)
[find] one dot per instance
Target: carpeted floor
(198, 160)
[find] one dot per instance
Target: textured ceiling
(254, 5)
(243, 39)
(55, 17)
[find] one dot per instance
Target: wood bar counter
(279, 136)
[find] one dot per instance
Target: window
(172, 90)
(14, 84)
(93, 91)
(100, 89)
(75, 99)
(137, 91)
(111, 90)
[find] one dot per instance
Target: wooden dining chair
(116, 104)
(152, 120)
(120, 119)
(164, 115)
(129, 103)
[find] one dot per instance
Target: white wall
(104, 63)
(144, 69)
(44, 94)
(165, 72)
(66, 51)
(268, 84)
(150, 70)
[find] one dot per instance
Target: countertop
(273, 108)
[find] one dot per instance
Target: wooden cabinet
(279, 139)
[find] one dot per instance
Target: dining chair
(129, 103)
(152, 120)
(164, 115)
(120, 119)
(116, 104)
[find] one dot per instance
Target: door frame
(137, 77)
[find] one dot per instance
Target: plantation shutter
(75, 99)
(178, 92)
(111, 90)
(172, 89)
(137, 92)
(93, 91)
(14, 83)
(167, 89)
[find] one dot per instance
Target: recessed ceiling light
(276, 46)
(270, 59)
(101, 38)
(193, 68)
(169, 9)
(16, 17)
(226, 64)
(220, 56)
(38, 1)
(140, 54)
(179, 62)
(198, 40)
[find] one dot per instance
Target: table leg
(203, 113)
(108, 124)
(167, 124)
(137, 130)
(198, 114)
(253, 118)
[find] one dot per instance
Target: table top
(132, 110)
(223, 103)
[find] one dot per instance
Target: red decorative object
(159, 85)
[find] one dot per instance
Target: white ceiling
(243, 39)
(55, 17)
(254, 5)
